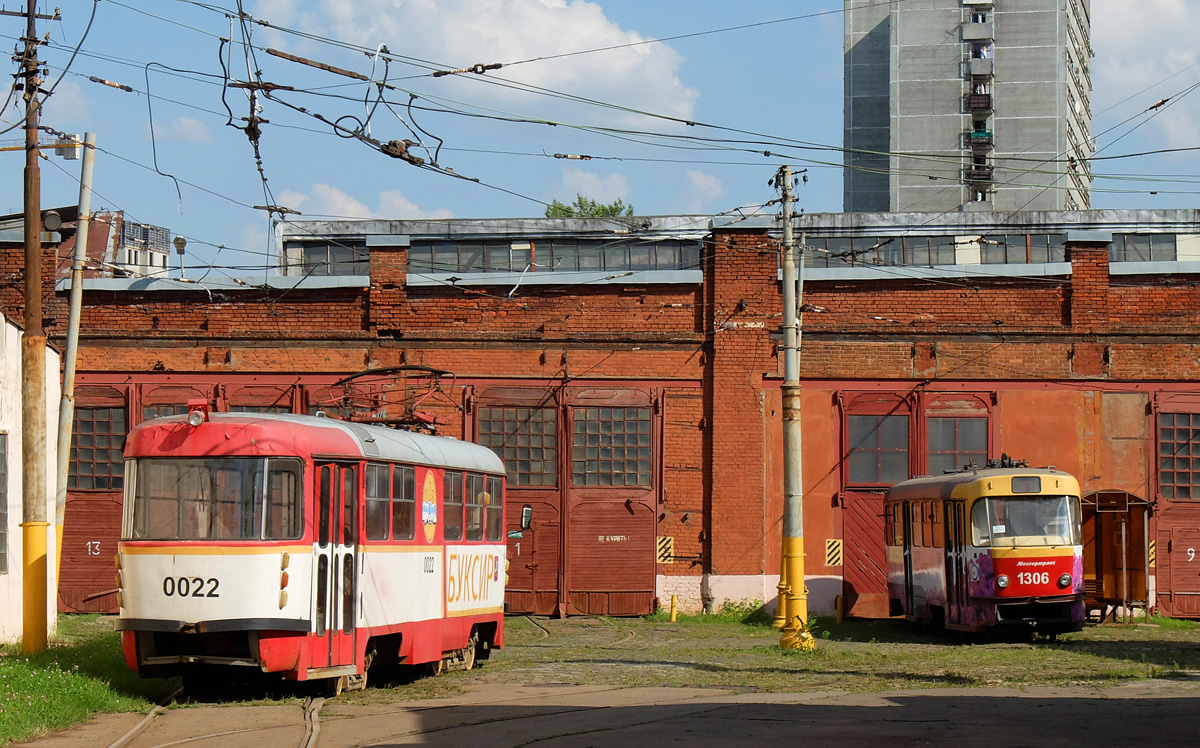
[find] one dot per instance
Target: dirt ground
(617, 682)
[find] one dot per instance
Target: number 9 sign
(1191, 554)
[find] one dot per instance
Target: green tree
(585, 207)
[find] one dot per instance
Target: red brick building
(627, 371)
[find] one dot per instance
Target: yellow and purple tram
(987, 549)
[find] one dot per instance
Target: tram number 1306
(1033, 577)
(190, 587)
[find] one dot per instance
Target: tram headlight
(1002, 581)
(195, 418)
(1064, 581)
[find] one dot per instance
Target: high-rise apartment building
(967, 105)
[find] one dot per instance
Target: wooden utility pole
(34, 482)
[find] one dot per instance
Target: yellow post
(33, 566)
(674, 607)
(781, 597)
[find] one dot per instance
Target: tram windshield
(1004, 521)
(227, 498)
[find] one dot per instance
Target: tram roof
(372, 442)
(980, 482)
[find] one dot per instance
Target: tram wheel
(435, 668)
(335, 686)
(470, 651)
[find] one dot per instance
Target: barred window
(97, 441)
(878, 449)
(526, 439)
(260, 409)
(1179, 455)
(161, 411)
(954, 442)
(611, 447)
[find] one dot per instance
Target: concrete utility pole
(33, 369)
(66, 408)
(794, 597)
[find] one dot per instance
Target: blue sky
(779, 78)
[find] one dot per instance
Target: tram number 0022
(1033, 577)
(191, 587)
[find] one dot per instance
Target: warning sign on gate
(833, 552)
(666, 549)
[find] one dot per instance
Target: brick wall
(743, 300)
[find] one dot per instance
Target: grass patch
(1173, 624)
(82, 672)
(748, 612)
(722, 651)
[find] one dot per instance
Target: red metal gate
(864, 575)
(91, 529)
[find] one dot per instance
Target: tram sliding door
(956, 562)
(335, 578)
(909, 608)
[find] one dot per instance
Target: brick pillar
(388, 295)
(1087, 251)
(743, 298)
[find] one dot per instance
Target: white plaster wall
(11, 590)
(727, 588)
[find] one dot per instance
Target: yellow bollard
(674, 607)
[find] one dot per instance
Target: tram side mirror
(526, 521)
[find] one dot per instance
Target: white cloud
(598, 188)
(700, 192)
(190, 130)
(68, 109)
(328, 201)
(394, 205)
(462, 33)
(1140, 47)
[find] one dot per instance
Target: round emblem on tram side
(974, 572)
(429, 507)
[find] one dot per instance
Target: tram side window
(937, 531)
(494, 509)
(378, 482)
(453, 505)
(324, 498)
(349, 504)
(475, 502)
(404, 503)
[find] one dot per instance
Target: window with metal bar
(526, 439)
(1179, 455)
(97, 444)
(611, 447)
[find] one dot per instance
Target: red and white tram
(306, 547)
(989, 549)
